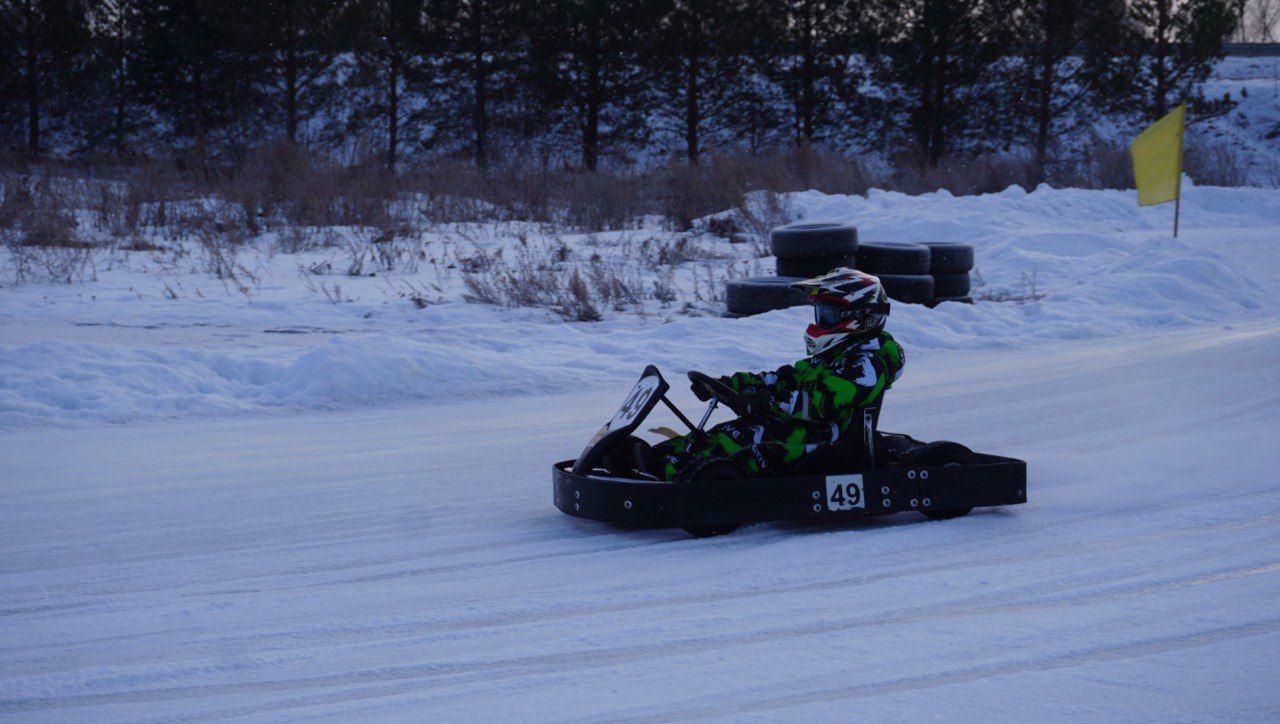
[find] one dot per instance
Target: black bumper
(644, 504)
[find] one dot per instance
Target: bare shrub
(219, 244)
(597, 201)
(533, 279)
(56, 265)
(332, 292)
(419, 295)
(577, 306)
(759, 215)
(689, 192)
(1213, 162)
(294, 239)
(1027, 290)
(51, 227)
(281, 184)
(1103, 162)
(963, 176)
(658, 253)
(43, 246)
(618, 285)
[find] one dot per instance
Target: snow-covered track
(408, 563)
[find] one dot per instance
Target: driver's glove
(758, 401)
(700, 392)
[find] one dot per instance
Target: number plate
(844, 492)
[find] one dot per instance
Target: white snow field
(204, 519)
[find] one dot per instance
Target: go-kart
(870, 473)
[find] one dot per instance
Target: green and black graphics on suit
(813, 403)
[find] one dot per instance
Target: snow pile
(1082, 263)
(1068, 265)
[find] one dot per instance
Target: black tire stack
(804, 250)
(949, 264)
(927, 273)
(903, 269)
(810, 249)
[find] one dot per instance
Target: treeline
(588, 82)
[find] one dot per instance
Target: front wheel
(708, 469)
(943, 454)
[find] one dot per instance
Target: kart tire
(762, 294)
(708, 469)
(950, 285)
(949, 257)
(810, 268)
(813, 240)
(893, 257)
(908, 288)
(943, 454)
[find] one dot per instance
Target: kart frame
(582, 491)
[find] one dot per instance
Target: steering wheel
(720, 391)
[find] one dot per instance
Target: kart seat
(855, 451)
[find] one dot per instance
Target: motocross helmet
(846, 302)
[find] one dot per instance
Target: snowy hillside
(158, 336)
(1253, 127)
(296, 493)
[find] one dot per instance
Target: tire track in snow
(1116, 652)
(438, 675)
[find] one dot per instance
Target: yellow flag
(1157, 159)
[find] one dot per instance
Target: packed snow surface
(333, 504)
(408, 564)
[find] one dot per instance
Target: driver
(808, 406)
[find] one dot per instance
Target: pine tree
(297, 43)
(937, 70)
(395, 44)
(810, 53)
(194, 69)
(1064, 52)
(586, 56)
(45, 44)
(482, 38)
(699, 64)
(1171, 47)
(110, 114)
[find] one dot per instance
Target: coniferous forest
(594, 84)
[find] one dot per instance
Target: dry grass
(1214, 162)
(1102, 163)
(57, 221)
(962, 176)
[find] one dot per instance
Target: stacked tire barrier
(926, 273)
(903, 269)
(804, 250)
(949, 264)
(808, 250)
(929, 272)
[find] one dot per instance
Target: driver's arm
(780, 380)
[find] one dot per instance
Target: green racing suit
(812, 404)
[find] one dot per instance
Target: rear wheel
(943, 454)
(705, 470)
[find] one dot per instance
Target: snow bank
(1078, 265)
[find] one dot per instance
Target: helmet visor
(829, 314)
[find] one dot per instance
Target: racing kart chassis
(886, 473)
